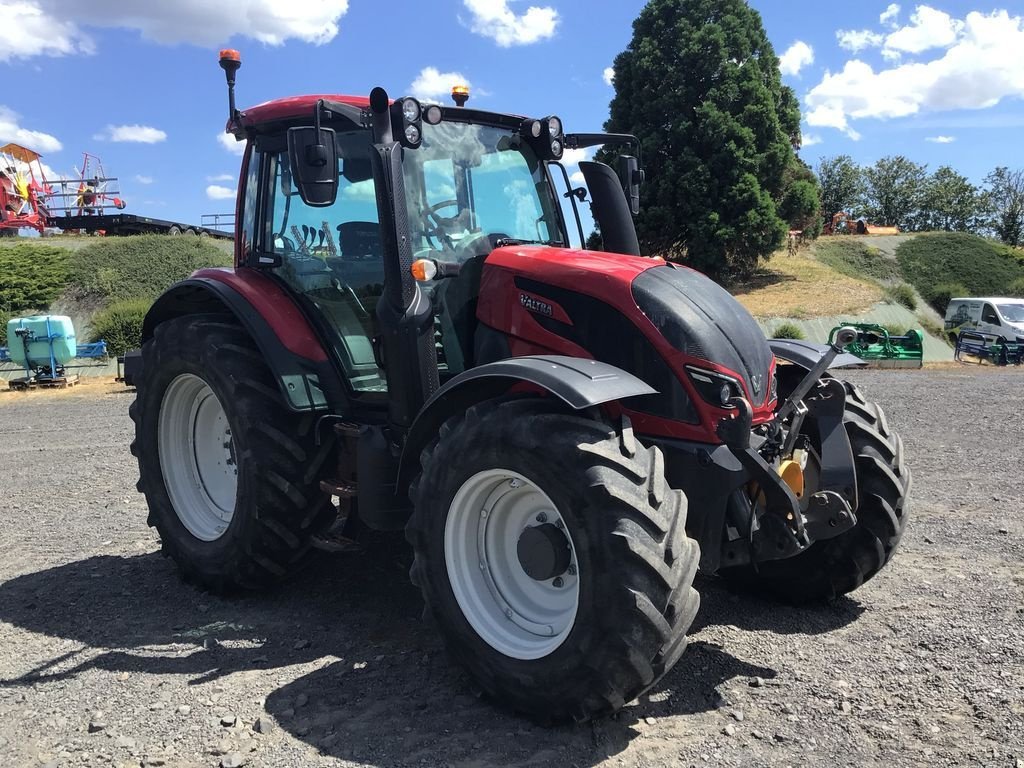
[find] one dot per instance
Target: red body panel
(607, 278)
(275, 306)
(294, 107)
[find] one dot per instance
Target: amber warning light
(460, 95)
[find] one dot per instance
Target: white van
(1002, 318)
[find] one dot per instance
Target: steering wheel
(438, 226)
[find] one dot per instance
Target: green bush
(982, 267)
(854, 258)
(1017, 288)
(31, 275)
(902, 294)
(942, 294)
(788, 331)
(142, 267)
(120, 325)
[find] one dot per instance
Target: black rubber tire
(636, 563)
(835, 567)
(279, 504)
(174, 229)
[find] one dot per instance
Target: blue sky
(941, 82)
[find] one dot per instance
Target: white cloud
(11, 131)
(494, 19)
(796, 57)
(890, 16)
(941, 139)
(132, 134)
(217, 192)
(574, 156)
(143, 179)
(231, 144)
(433, 85)
(609, 75)
(858, 39)
(57, 27)
(578, 179)
(980, 68)
(928, 29)
(810, 139)
(28, 31)
(222, 177)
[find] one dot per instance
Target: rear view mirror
(313, 156)
(631, 177)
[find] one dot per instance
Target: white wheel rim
(197, 457)
(512, 612)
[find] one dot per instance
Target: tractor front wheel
(837, 566)
(230, 475)
(553, 556)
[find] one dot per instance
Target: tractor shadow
(387, 693)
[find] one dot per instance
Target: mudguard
(580, 383)
(289, 346)
(807, 353)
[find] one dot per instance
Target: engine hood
(702, 320)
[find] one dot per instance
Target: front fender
(806, 354)
(578, 382)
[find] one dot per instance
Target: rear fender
(578, 382)
(289, 345)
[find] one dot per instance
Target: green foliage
(120, 325)
(949, 202)
(1004, 204)
(932, 328)
(142, 267)
(1016, 288)
(941, 295)
(699, 84)
(788, 331)
(902, 294)
(893, 190)
(31, 275)
(842, 182)
(800, 206)
(855, 258)
(983, 267)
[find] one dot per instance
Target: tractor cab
(470, 181)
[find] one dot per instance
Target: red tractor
(566, 436)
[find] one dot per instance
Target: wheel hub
(543, 552)
(512, 564)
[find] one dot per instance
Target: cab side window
(988, 315)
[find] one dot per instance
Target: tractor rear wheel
(553, 556)
(230, 475)
(835, 567)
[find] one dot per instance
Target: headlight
(412, 134)
(432, 114)
(554, 127)
(714, 388)
(556, 148)
(410, 110)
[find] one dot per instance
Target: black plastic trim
(807, 354)
(306, 385)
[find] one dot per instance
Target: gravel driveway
(106, 657)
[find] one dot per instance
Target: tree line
(897, 192)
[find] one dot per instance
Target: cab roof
(293, 107)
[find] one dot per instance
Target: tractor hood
(701, 319)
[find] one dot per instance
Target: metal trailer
(131, 224)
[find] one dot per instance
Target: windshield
(1012, 313)
(471, 184)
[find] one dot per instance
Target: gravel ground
(107, 658)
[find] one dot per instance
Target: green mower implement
(878, 349)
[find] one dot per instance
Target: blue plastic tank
(42, 329)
